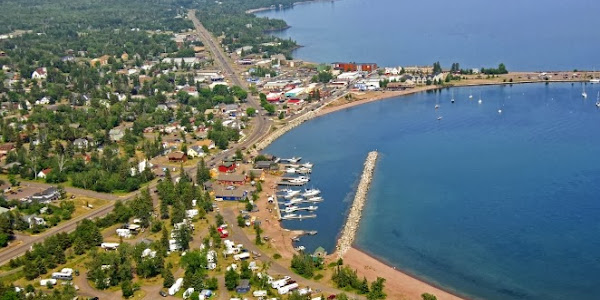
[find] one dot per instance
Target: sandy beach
(398, 285)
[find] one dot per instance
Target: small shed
(243, 287)
(320, 252)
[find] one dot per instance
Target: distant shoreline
(261, 9)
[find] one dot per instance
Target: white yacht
(291, 194)
(307, 165)
(303, 170)
(290, 170)
(301, 179)
(315, 199)
(290, 209)
(310, 193)
(595, 80)
(294, 159)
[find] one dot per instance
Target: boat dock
(304, 201)
(299, 217)
(288, 183)
(277, 206)
(303, 233)
(353, 220)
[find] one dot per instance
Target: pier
(277, 206)
(299, 217)
(289, 183)
(349, 231)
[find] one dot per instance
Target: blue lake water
(489, 205)
(525, 35)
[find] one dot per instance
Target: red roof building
(177, 156)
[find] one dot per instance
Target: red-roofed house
(177, 156)
(39, 73)
(43, 173)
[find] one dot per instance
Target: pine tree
(168, 278)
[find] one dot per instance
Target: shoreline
(261, 9)
(399, 284)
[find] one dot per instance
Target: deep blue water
(525, 35)
(489, 205)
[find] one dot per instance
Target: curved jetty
(349, 230)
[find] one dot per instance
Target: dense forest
(230, 20)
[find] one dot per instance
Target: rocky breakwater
(349, 231)
(287, 127)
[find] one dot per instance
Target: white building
(39, 73)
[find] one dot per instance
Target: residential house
(141, 166)
(229, 179)
(43, 173)
(5, 148)
(46, 196)
(181, 61)
(195, 151)
(243, 287)
(39, 73)
(229, 194)
(265, 165)
(177, 156)
(395, 86)
(33, 220)
(8, 167)
(419, 69)
(81, 143)
(227, 166)
(257, 174)
(102, 61)
(116, 134)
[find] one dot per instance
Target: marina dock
(299, 217)
(277, 207)
(351, 226)
(288, 183)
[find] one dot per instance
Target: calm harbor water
(492, 206)
(525, 35)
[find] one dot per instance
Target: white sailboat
(452, 100)
(583, 94)
(470, 94)
(598, 100)
(480, 101)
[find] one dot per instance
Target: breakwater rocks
(349, 230)
(287, 127)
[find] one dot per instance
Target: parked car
(162, 293)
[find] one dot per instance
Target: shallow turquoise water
(494, 206)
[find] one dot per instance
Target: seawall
(271, 137)
(349, 231)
